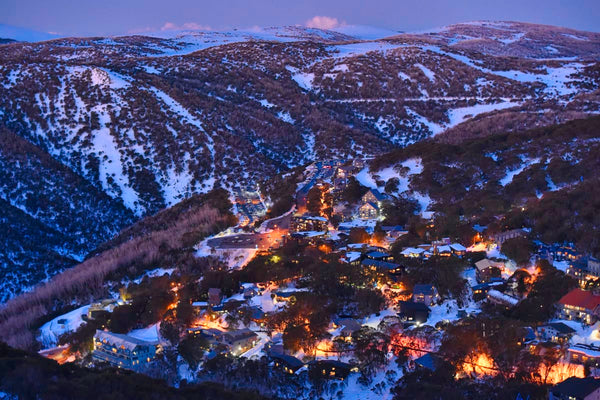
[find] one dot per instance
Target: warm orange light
(562, 371)
(480, 364)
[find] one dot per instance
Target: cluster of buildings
(249, 204)
(442, 248)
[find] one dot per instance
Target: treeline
(88, 280)
(29, 376)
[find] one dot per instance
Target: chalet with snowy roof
(413, 312)
(556, 332)
(413, 252)
(576, 389)
(368, 210)
(123, 351)
(330, 369)
(487, 269)
(288, 364)
(239, 341)
(426, 294)
(586, 354)
(580, 305)
(443, 251)
(458, 249)
(374, 196)
(372, 204)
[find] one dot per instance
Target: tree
(391, 185)
(370, 348)
(518, 249)
(353, 191)
(122, 319)
(169, 331)
(313, 200)
(191, 349)
(359, 235)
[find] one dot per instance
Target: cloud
(188, 26)
(136, 31)
(322, 22)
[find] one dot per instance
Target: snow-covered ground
(510, 174)
(149, 334)
(234, 258)
(52, 330)
(448, 311)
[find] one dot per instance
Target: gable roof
(581, 298)
(458, 247)
(377, 194)
(577, 387)
(370, 204)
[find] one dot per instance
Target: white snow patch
(512, 173)
(51, 331)
(149, 334)
(428, 73)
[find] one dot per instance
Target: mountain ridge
(143, 123)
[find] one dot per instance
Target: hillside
(544, 178)
(159, 241)
(125, 126)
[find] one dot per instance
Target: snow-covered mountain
(142, 122)
(23, 34)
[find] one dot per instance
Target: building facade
(123, 351)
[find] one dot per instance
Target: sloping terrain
(544, 178)
(129, 125)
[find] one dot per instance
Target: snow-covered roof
(444, 249)
(503, 297)
(412, 250)
(587, 349)
(309, 233)
(311, 217)
(118, 340)
(487, 263)
(352, 256)
(458, 247)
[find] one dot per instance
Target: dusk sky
(105, 17)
